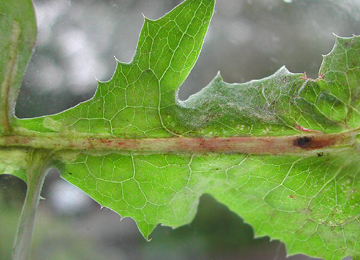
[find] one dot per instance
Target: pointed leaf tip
(218, 77)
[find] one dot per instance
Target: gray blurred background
(77, 42)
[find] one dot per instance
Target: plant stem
(35, 174)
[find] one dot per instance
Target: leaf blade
(264, 190)
(142, 88)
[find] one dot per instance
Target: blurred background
(77, 42)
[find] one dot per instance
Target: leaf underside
(310, 200)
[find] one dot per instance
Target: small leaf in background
(17, 39)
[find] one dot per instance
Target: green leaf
(17, 39)
(281, 152)
(133, 103)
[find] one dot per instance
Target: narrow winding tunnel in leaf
(281, 152)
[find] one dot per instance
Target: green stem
(35, 174)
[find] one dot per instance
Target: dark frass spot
(70, 173)
(320, 154)
(302, 142)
